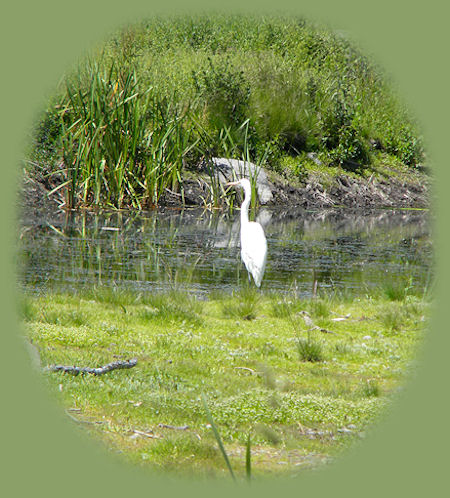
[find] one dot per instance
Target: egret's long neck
(245, 204)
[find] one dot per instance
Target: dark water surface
(199, 251)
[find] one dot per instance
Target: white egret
(253, 240)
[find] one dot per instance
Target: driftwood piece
(94, 371)
(148, 434)
(253, 372)
(174, 427)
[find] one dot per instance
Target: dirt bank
(315, 192)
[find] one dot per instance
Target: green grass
(310, 349)
(162, 96)
(243, 304)
(251, 373)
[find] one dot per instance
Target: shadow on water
(343, 250)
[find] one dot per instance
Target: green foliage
(319, 308)
(285, 308)
(119, 143)
(153, 413)
(392, 317)
(403, 142)
(370, 388)
(165, 94)
(102, 128)
(395, 291)
(341, 135)
(174, 306)
(342, 348)
(243, 304)
(399, 289)
(218, 438)
(27, 309)
(309, 349)
(224, 91)
(113, 296)
(290, 166)
(66, 318)
(46, 137)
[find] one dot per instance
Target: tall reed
(169, 140)
(120, 144)
(103, 118)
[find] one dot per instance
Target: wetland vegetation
(302, 395)
(301, 373)
(228, 380)
(145, 112)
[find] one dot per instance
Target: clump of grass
(167, 450)
(319, 308)
(310, 349)
(342, 348)
(248, 454)
(175, 306)
(403, 288)
(217, 436)
(120, 143)
(114, 296)
(27, 309)
(392, 317)
(414, 307)
(269, 434)
(217, 295)
(76, 318)
(320, 372)
(285, 308)
(66, 318)
(395, 291)
(370, 388)
(243, 305)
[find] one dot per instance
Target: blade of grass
(248, 459)
(217, 436)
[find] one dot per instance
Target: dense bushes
(224, 92)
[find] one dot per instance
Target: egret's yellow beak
(231, 184)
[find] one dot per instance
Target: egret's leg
(247, 283)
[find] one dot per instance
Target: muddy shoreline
(37, 194)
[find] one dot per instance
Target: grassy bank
(161, 98)
(301, 394)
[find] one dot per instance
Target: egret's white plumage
(253, 240)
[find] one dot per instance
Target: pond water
(199, 251)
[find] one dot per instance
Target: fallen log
(94, 371)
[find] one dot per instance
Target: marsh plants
(158, 100)
(231, 385)
(120, 144)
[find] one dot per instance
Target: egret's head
(243, 182)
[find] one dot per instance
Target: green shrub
(46, 138)
(225, 92)
(340, 135)
(404, 143)
(392, 317)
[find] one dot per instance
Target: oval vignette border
(43, 454)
